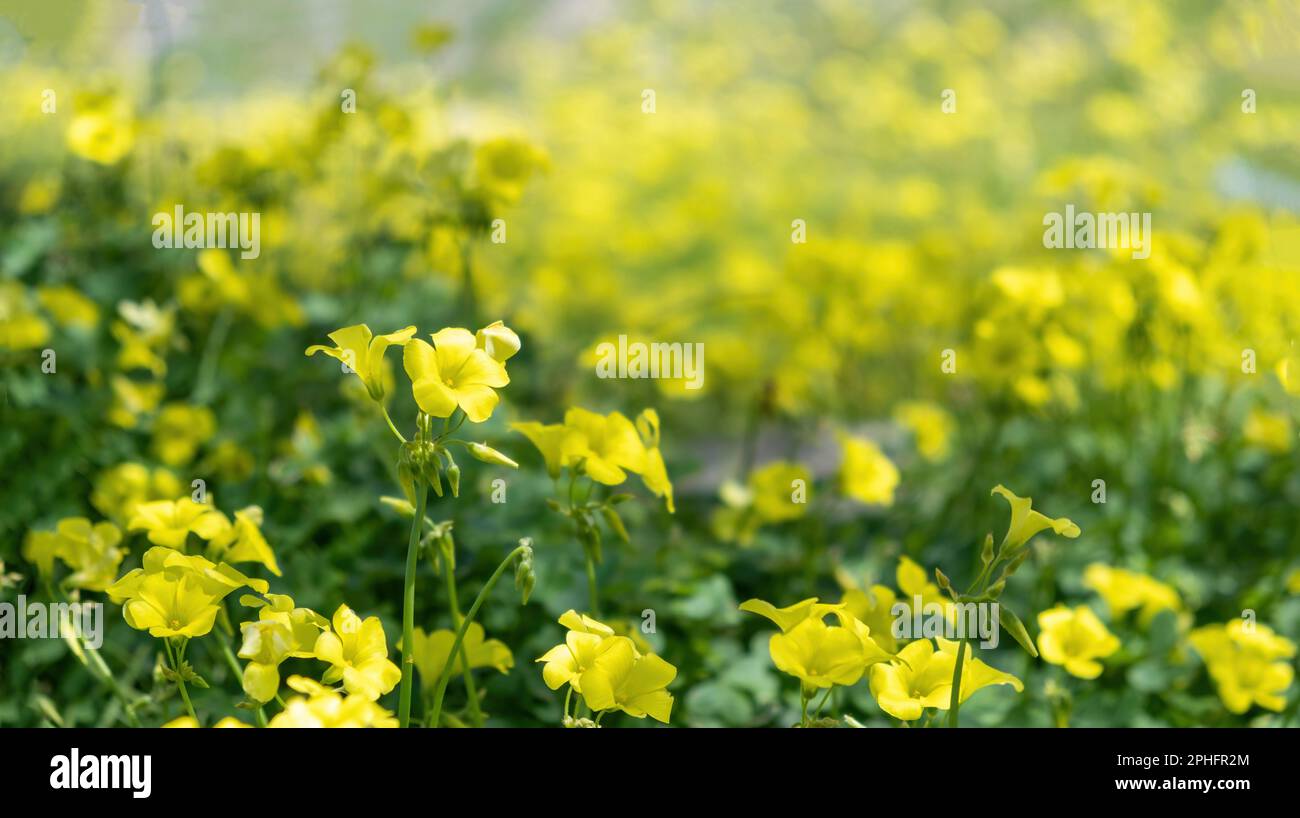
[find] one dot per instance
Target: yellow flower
(611, 444)
(569, 663)
(358, 653)
(922, 677)
(363, 353)
(101, 132)
(1126, 591)
(215, 579)
(775, 489)
(654, 473)
(90, 550)
(453, 373)
(131, 400)
(242, 541)
(872, 606)
(119, 490)
(624, 679)
(566, 663)
(1249, 663)
(170, 522)
(1075, 639)
(1025, 522)
(788, 617)
(930, 425)
(174, 594)
(280, 632)
(560, 445)
(431, 651)
(817, 654)
(179, 432)
(323, 707)
(20, 327)
(68, 306)
(167, 606)
(866, 474)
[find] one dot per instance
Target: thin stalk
(592, 592)
(180, 683)
(464, 626)
(408, 606)
(954, 703)
(471, 690)
(391, 425)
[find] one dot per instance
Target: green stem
(592, 594)
(391, 425)
(180, 683)
(464, 626)
(954, 703)
(476, 716)
(408, 606)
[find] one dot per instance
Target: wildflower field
(645, 364)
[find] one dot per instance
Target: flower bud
(498, 341)
(481, 451)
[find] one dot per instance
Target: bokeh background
(924, 235)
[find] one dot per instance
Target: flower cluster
(608, 671)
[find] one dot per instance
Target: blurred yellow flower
(119, 490)
(101, 131)
(91, 551)
(1126, 591)
(180, 430)
(1075, 639)
(930, 425)
(170, 522)
(1249, 662)
(20, 327)
(866, 474)
(68, 306)
(431, 652)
